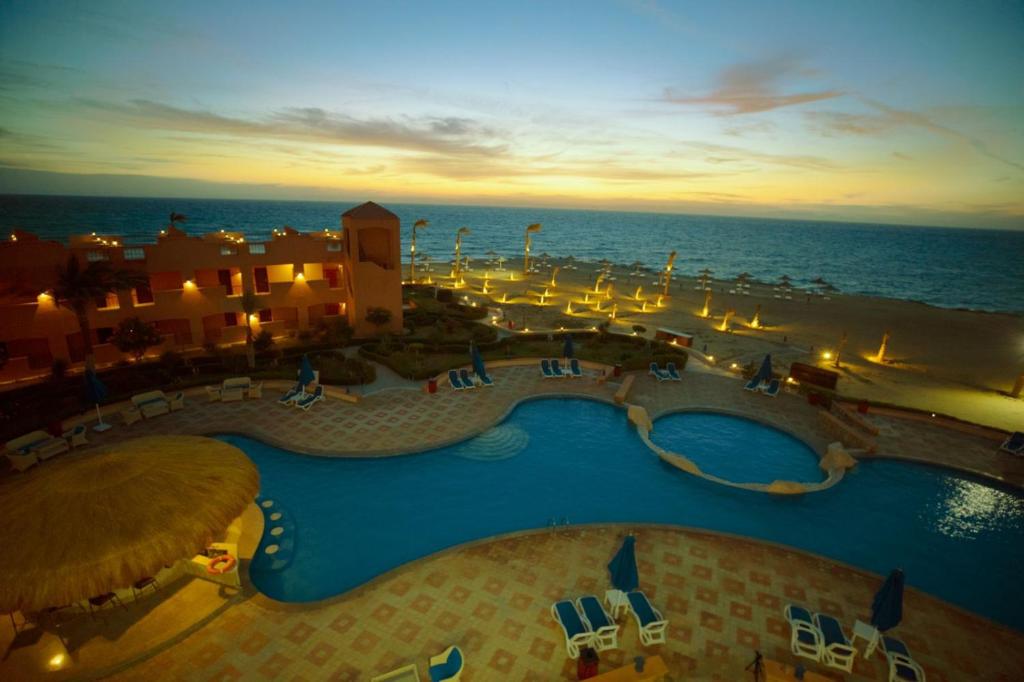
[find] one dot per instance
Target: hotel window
(333, 245)
(230, 319)
(224, 279)
(228, 250)
(142, 294)
(94, 256)
(331, 275)
(257, 249)
(136, 253)
(108, 302)
(266, 316)
(261, 280)
(332, 308)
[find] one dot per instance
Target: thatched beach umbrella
(99, 521)
(743, 276)
(819, 281)
(707, 271)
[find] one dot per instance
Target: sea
(954, 268)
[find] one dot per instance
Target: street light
(529, 240)
(419, 224)
(458, 252)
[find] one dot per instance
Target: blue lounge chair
(804, 638)
(577, 634)
(649, 621)
(307, 401)
(292, 395)
(446, 666)
(556, 369)
(772, 388)
(453, 379)
(658, 373)
(545, 369)
(574, 367)
(902, 667)
(754, 384)
(672, 371)
(485, 379)
(605, 629)
(467, 382)
(1014, 444)
(836, 650)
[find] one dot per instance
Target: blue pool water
(737, 449)
(348, 520)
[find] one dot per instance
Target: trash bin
(617, 371)
(586, 665)
(862, 407)
(432, 386)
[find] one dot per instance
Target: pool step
(277, 548)
(501, 442)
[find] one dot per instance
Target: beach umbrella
(819, 281)
(100, 520)
(743, 276)
(707, 271)
(477, 360)
(625, 575)
(887, 607)
(96, 393)
(306, 374)
(785, 279)
(567, 349)
(765, 373)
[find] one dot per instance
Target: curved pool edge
(271, 603)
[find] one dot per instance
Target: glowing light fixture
(189, 284)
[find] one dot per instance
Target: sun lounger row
(299, 397)
(461, 380)
(586, 623)
(552, 369)
(235, 388)
(820, 637)
(670, 373)
(767, 387)
(25, 451)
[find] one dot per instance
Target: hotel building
(194, 288)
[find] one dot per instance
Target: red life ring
(220, 564)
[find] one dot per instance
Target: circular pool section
(737, 449)
(352, 519)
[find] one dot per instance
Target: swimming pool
(349, 520)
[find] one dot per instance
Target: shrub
(133, 335)
(445, 295)
(378, 317)
(263, 341)
(335, 331)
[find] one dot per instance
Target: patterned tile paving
(722, 595)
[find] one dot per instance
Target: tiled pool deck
(723, 595)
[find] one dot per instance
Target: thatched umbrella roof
(91, 523)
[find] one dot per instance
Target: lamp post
(668, 271)
(529, 240)
(419, 224)
(458, 252)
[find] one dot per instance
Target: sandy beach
(955, 362)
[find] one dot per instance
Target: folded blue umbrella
(306, 374)
(624, 573)
(887, 607)
(478, 361)
(567, 350)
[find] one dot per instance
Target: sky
(907, 112)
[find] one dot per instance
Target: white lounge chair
(38, 443)
(574, 367)
(556, 369)
(545, 369)
(673, 373)
(235, 388)
(177, 402)
(649, 620)
(76, 436)
(658, 373)
(310, 399)
(902, 668)
(604, 627)
(836, 650)
(152, 403)
(447, 666)
(804, 637)
(467, 381)
(213, 393)
(22, 461)
(577, 634)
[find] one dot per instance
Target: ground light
(706, 310)
(826, 355)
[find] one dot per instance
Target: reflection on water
(970, 508)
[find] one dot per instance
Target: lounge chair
(556, 369)
(485, 379)
(38, 443)
(1014, 444)
(902, 668)
(213, 393)
(577, 634)
(772, 388)
(804, 638)
(22, 461)
(177, 402)
(235, 388)
(152, 403)
(574, 367)
(307, 401)
(658, 373)
(836, 650)
(649, 620)
(754, 384)
(76, 436)
(467, 381)
(293, 394)
(605, 629)
(673, 373)
(545, 369)
(447, 666)
(453, 379)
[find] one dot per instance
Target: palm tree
(77, 288)
(249, 302)
(418, 225)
